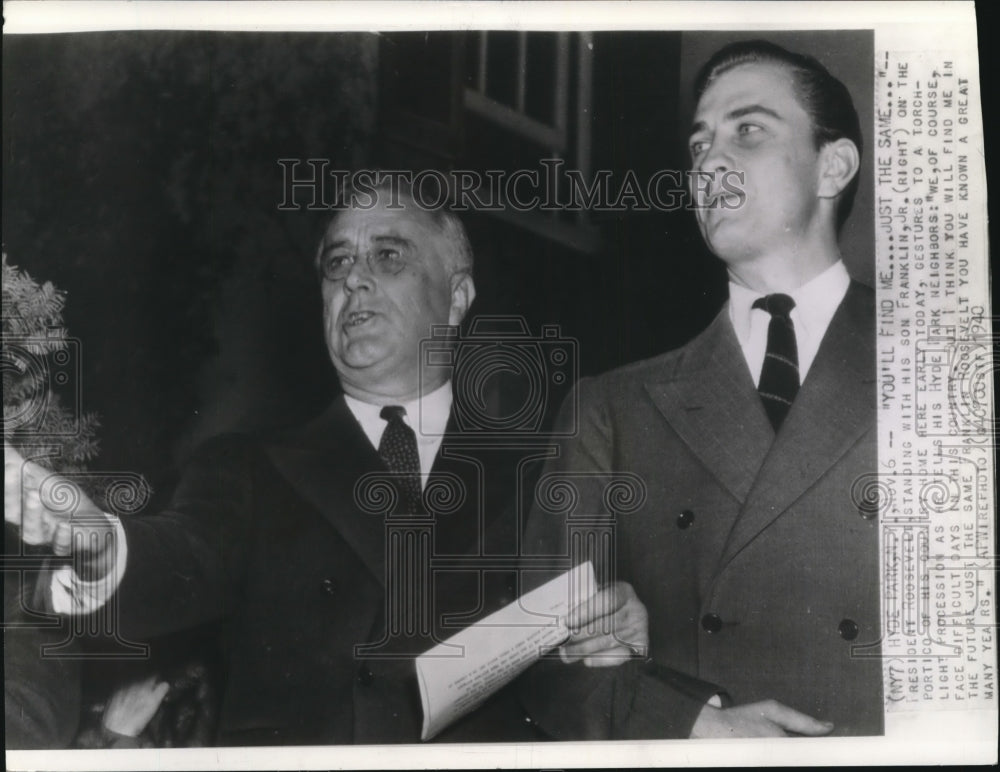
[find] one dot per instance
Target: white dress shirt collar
(427, 416)
(816, 302)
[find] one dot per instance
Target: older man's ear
(463, 292)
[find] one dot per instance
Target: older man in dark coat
(313, 547)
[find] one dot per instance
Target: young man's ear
(463, 292)
(840, 161)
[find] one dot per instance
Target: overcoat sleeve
(185, 563)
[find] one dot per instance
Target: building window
(495, 101)
(527, 97)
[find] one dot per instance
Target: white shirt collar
(427, 416)
(816, 302)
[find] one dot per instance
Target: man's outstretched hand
(52, 510)
(607, 629)
(758, 719)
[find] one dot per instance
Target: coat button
(365, 676)
(685, 518)
(848, 629)
(328, 586)
(711, 623)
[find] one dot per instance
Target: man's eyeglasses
(335, 264)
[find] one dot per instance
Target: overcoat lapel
(834, 408)
(486, 471)
(711, 402)
(458, 529)
(325, 459)
(323, 462)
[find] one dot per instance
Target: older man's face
(397, 286)
(750, 120)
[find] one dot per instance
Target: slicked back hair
(824, 98)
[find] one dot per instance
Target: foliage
(40, 412)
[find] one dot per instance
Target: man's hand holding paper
(607, 628)
(610, 623)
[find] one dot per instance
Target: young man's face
(749, 120)
(395, 286)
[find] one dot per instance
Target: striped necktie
(779, 377)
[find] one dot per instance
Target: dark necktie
(779, 377)
(398, 448)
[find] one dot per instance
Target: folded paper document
(458, 675)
